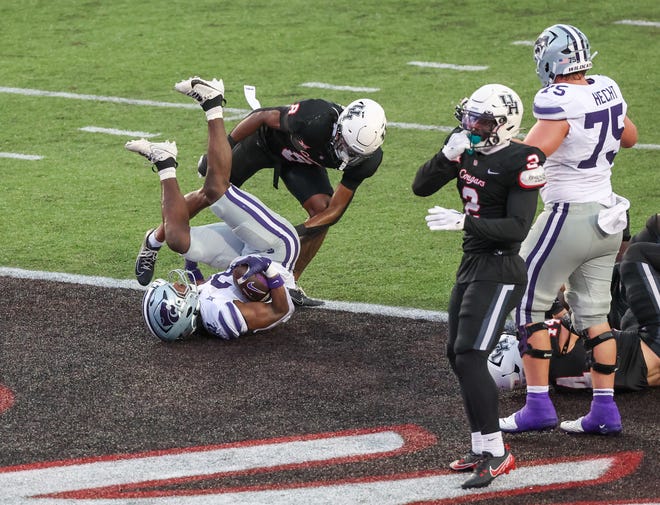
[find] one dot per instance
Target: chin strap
(590, 343)
(474, 140)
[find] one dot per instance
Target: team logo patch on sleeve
(530, 179)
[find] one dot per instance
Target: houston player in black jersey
(300, 142)
(498, 181)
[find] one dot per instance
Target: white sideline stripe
(106, 282)
(115, 131)
(637, 23)
(522, 43)
(384, 310)
(325, 85)
(18, 156)
(450, 66)
(647, 146)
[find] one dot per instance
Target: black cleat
(490, 467)
(146, 261)
(300, 299)
(202, 166)
(467, 463)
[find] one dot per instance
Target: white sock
(153, 242)
(603, 392)
(476, 442)
(493, 443)
(214, 113)
(167, 173)
(538, 389)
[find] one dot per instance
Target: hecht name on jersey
(605, 95)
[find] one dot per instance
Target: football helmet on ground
(170, 308)
(360, 131)
(492, 116)
(505, 363)
(560, 50)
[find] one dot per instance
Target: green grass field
(83, 208)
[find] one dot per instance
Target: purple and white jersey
(220, 315)
(579, 170)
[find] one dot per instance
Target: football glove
(256, 264)
(440, 218)
(457, 143)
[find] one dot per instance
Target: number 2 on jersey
(471, 199)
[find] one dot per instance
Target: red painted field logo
(159, 477)
(6, 398)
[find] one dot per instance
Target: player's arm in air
(265, 116)
(443, 167)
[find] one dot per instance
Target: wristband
(275, 282)
(193, 269)
(271, 272)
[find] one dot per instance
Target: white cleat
(201, 90)
(508, 424)
(153, 151)
(572, 426)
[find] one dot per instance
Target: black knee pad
(525, 347)
(590, 343)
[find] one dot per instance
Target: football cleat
(154, 151)
(602, 419)
(538, 414)
(146, 261)
(202, 166)
(467, 463)
(490, 467)
(202, 91)
(300, 299)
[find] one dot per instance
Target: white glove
(457, 143)
(440, 218)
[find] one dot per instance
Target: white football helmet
(361, 129)
(170, 308)
(492, 116)
(505, 363)
(561, 50)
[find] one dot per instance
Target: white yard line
(448, 66)
(325, 85)
(237, 113)
(115, 131)
(106, 282)
(637, 23)
(19, 156)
